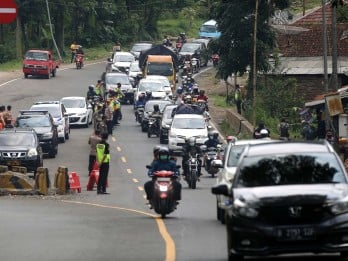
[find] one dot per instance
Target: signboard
(8, 11)
(334, 104)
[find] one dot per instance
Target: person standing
(93, 140)
(103, 160)
(109, 116)
(238, 98)
(283, 129)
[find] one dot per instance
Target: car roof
(33, 113)
(73, 98)
(18, 130)
(287, 147)
(254, 141)
(115, 74)
(47, 102)
(188, 116)
(149, 80)
(123, 53)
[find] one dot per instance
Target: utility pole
(326, 87)
(334, 47)
(254, 61)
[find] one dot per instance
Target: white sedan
(185, 126)
(154, 86)
(79, 112)
(167, 86)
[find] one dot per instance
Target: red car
(41, 63)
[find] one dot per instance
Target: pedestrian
(93, 140)
(238, 98)
(103, 160)
(109, 116)
(283, 129)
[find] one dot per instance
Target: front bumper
(30, 163)
(175, 144)
(35, 71)
(252, 238)
(78, 120)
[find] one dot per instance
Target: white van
(209, 30)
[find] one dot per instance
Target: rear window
(189, 123)
(32, 121)
(74, 103)
(17, 139)
(114, 79)
(294, 169)
(53, 110)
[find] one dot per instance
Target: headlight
(242, 209)
(172, 135)
(45, 67)
(47, 135)
(32, 152)
(340, 206)
(26, 65)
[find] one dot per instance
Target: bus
(209, 30)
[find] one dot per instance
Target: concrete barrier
(61, 180)
(42, 181)
(239, 124)
(15, 183)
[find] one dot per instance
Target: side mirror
(109, 60)
(220, 190)
(217, 164)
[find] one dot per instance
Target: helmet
(182, 34)
(191, 141)
(210, 135)
(189, 74)
(215, 134)
(91, 87)
(163, 154)
(188, 99)
(156, 107)
(179, 91)
(201, 92)
(264, 133)
(156, 150)
(141, 96)
(230, 138)
(148, 93)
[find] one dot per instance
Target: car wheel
(67, 136)
(162, 139)
(222, 216)
(233, 257)
(62, 139)
(26, 76)
(218, 211)
(54, 73)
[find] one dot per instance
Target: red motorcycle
(162, 201)
(215, 58)
(79, 61)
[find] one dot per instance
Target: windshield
(124, 58)
(17, 139)
(317, 168)
(189, 48)
(151, 86)
(54, 110)
(38, 56)
(114, 79)
(209, 29)
(74, 103)
(140, 47)
(189, 123)
(165, 69)
(234, 155)
(32, 121)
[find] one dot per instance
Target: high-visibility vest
(100, 153)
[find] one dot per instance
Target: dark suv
(286, 197)
(20, 147)
(43, 124)
(194, 50)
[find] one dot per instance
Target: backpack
(284, 130)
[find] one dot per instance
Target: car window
(16, 139)
(124, 58)
(316, 168)
(140, 47)
(53, 110)
(151, 86)
(189, 48)
(149, 106)
(73, 103)
(189, 123)
(32, 121)
(114, 79)
(134, 67)
(234, 155)
(165, 69)
(167, 114)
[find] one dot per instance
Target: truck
(40, 63)
(160, 60)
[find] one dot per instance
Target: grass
(219, 101)
(297, 7)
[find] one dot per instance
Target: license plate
(14, 163)
(295, 233)
(163, 179)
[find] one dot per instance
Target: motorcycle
(139, 113)
(212, 154)
(79, 61)
(194, 65)
(215, 58)
(162, 201)
(153, 126)
(192, 175)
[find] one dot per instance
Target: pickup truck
(41, 63)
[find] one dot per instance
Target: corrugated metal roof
(321, 98)
(310, 65)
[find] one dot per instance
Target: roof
(74, 98)
(320, 99)
(190, 116)
(210, 22)
(158, 50)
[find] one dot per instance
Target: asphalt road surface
(119, 226)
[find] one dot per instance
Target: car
(194, 50)
(134, 72)
(111, 80)
(229, 167)
(137, 48)
(79, 112)
(185, 126)
(122, 61)
(59, 114)
(206, 41)
(149, 109)
(167, 86)
(154, 86)
(20, 147)
(287, 197)
(166, 122)
(43, 124)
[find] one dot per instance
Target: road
(120, 226)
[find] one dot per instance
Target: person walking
(103, 160)
(93, 140)
(238, 98)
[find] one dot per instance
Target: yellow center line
(118, 148)
(169, 242)
(123, 159)
(129, 171)
(135, 180)
(141, 188)
(113, 139)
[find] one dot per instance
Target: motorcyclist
(195, 90)
(91, 92)
(139, 103)
(264, 134)
(163, 163)
(202, 96)
(191, 148)
(166, 41)
(181, 38)
(213, 140)
(148, 96)
(99, 87)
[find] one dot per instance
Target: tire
(52, 153)
(54, 72)
(163, 208)
(26, 76)
(148, 133)
(48, 76)
(67, 136)
(162, 139)
(218, 212)
(223, 216)
(343, 256)
(193, 180)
